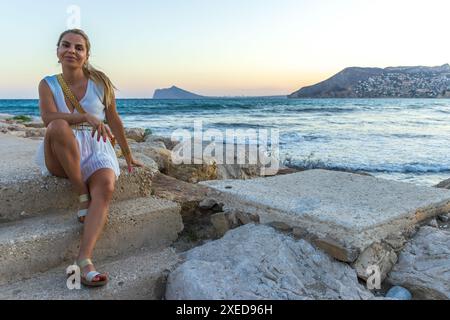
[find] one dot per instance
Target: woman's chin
(71, 64)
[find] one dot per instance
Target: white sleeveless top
(91, 102)
(94, 155)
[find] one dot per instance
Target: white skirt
(94, 155)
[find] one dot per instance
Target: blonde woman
(77, 146)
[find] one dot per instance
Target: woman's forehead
(73, 38)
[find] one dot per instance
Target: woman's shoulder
(50, 77)
(49, 80)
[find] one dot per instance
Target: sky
(218, 47)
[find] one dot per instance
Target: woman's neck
(73, 76)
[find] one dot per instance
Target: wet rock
(443, 184)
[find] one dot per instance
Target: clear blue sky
(216, 47)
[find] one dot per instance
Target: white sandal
(83, 213)
(87, 280)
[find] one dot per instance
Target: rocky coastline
(226, 245)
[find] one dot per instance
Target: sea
(399, 139)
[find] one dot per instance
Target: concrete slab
(25, 192)
(141, 275)
(38, 244)
(356, 210)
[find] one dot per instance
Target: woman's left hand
(131, 162)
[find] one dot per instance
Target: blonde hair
(96, 75)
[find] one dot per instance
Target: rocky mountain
(391, 82)
(178, 93)
(175, 93)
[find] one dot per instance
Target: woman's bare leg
(62, 155)
(101, 185)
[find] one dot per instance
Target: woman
(77, 146)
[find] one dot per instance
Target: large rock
(244, 162)
(256, 262)
(137, 134)
(154, 150)
(443, 184)
(346, 212)
(35, 132)
(163, 142)
(147, 161)
(424, 265)
(35, 124)
(193, 173)
(187, 195)
(379, 254)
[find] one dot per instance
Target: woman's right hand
(99, 127)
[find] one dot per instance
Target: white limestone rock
(424, 265)
(258, 262)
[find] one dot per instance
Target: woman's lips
(70, 58)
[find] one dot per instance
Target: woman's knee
(104, 191)
(58, 128)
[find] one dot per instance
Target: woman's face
(72, 51)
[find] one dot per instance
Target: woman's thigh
(51, 161)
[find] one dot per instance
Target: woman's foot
(86, 267)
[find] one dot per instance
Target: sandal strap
(84, 198)
(91, 275)
(84, 263)
(82, 213)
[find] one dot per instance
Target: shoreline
(424, 178)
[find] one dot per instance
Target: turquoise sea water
(400, 139)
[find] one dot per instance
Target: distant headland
(391, 82)
(356, 82)
(180, 94)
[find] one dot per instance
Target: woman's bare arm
(116, 125)
(48, 109)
